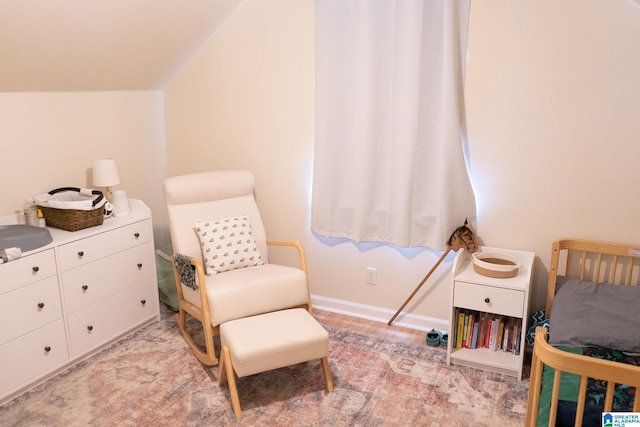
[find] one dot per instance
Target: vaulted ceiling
(101, 45)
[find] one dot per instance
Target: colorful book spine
(459, 331)
(474, 337)
(505, 337)
(500, 333)
(465, 330)
(482, 329)
(493, 338)
(470, 329)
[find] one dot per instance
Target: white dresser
(63, 302)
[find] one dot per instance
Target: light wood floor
(399, 333)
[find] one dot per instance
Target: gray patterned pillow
(227, 244)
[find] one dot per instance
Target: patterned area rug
(151, 378)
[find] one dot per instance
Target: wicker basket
(72, 219)
(72, 208)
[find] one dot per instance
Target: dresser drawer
(98, 280)
(27, 270)
(81, 252)
(29, 308)
(109, 318)
(491, 299)
(32, 355)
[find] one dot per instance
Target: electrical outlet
(372, 276)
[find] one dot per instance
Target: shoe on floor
(433, 338)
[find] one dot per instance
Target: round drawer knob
(85, 287)
(89, 328)
(40, 305)
(80, 254)
(136, 235)
(47, 349)
(143, 301)
(36, 269)
(487, 300)
(139, 266)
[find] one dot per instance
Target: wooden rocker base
(207, 357)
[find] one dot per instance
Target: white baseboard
(378, 314)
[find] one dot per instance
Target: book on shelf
(506, 344)
(474, 336)
(493, 338)
(487, 332)
(459, 328)
(500, 333)
(482, 328)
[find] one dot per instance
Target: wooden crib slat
(535, 386)
(608, 400)
(596, 270)
(583, 265)
(629, 272)
(614, 267)
(582, 395)
(555, 393)
(567, 271)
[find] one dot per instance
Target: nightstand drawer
(488, 298)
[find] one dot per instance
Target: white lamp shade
(105, 173)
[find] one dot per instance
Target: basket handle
(94, 192)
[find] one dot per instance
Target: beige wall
(50, 140)
(552, 102)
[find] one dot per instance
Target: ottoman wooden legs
(269, 341)
(226, 373)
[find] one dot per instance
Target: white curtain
(389, 164)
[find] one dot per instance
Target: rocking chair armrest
(197, 263)
(302, 259)
(202, 285)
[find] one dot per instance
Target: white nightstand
(478, 299)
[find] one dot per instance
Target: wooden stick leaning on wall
(415, 291)
(462, 237)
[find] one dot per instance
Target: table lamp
(105, 174)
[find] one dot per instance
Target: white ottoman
(270, 341)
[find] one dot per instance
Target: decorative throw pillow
(227, 244)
